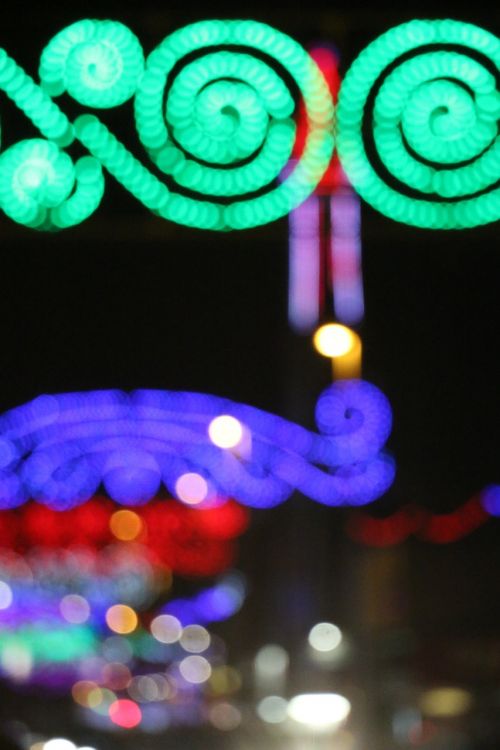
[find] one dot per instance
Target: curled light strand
(434, 124)
(34, 102)
(229, 105)
(40, 186)
(59, 449)
(99, 63)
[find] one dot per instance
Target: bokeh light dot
(125, 525)
(59, 743)
(191, 488)
(225, 431)
(75, 609)
(125, 713)
(334, 340)
(320, 711)
(166, 628)
(195, 669)
(81, 692)
(325, 637)
(224, 716)
(271, 661)
(5, 595)
(272, 709)
(116, 676)
(195, 639)
(121, 619)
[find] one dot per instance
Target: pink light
(125, 714)
(345, 249)
(304, 265)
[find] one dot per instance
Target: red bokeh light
(125, 713)
(188, 541)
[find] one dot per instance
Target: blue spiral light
(60, 449)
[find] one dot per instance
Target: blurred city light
(325, 637)
(334, 340)
(445, 702)
(319, 711)
(59, 743)
(271, 663)
(273, 709)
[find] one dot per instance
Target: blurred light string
(169, 534)
(324, 234)
(414, 520)
(417, 124)
(212, 604)
(60, 449)
(225, 134)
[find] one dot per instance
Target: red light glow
(188, 541)
(439, 528)
(125, 714)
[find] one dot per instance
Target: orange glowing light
(121, 619)
(125, 525)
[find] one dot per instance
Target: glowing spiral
(37, 185)
(222, 125)
(59, 449)
(418, 124)
(98, 63)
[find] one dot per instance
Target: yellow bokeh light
(224, 680)
(334, 340)
(445, 702)
(86, 693)
(225, 431)
(125, 525)
(121, 619)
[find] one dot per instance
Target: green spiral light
(98, 63)
(433, 124)
(29, 97)
(222, 125)
(37, 185)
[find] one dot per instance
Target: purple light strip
(345, 249)
(304, 265)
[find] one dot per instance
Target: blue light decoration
(212, 604)
(491, 499)
(214, 105)
(59, 449)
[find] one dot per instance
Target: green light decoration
(433, 124)
(221, 124)
(37, 185)
(48, 644)
(213, 110)
(41, 110)
(99, 63)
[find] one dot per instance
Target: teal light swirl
(433, 124)
(99, 63)
(37, 185)
(40, 186)
(213, 110)
(222, 126)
